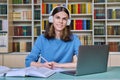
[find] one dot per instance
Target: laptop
(91, 59)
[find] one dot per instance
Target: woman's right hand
(46, 64)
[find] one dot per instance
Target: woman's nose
(61, 20)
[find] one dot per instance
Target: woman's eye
(57, 17)
(65, 19)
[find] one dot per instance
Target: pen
(51, 65)
(43, 58)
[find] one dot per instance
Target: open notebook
(29, 71)
(4, 69)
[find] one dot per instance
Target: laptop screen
(92, 59)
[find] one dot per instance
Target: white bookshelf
(1, 61)
(4, 26)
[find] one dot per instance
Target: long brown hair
(50, 31)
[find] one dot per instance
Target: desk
(113, 73)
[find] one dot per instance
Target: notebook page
(4, 69)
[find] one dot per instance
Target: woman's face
(60, 20)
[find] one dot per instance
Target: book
(117, 13)
(4, 69)
(28, 71)
(3, 39)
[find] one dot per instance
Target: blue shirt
(53, 50)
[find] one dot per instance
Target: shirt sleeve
(35, 53)
(77, 43)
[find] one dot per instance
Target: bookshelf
(37, 18)
(99, 22)
(22, 25)
(81, 13)
(106, 27)
(113, 25)
(25, 24)
(96, 22)
(106, 23)
(4, 26)
(0, 59)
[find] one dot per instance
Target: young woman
(58, 46)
